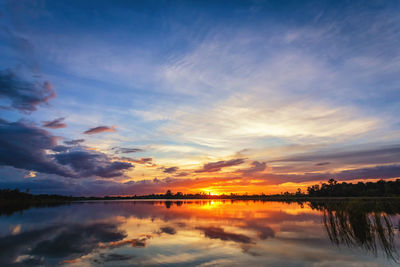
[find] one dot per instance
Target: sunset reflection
(185, 233)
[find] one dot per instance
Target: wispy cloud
(126, 150)
(256, 166)
(368, 155)
(100, 129)
(170, 169)
(55, 124)
(217, 166)
(146, 161)
(74, 142)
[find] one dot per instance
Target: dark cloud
(322, 163)
(217, 166)
(61, 148)
(54, 124)
(24, 96)
(103, 258)
(26, 146)
(170, 169)
(381, 172)
(89, 163)
(255, 167)
(182, 174)
(219, 233)
(168, 230)
(126, 150)
(74, 142)
(147, 161)
(100, 129)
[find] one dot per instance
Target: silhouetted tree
(334, 189)
(364, 224)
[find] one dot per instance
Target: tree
(169, 193)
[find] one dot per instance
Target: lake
(202, 233)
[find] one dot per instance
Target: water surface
(202, 233)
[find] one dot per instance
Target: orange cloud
(100, 129)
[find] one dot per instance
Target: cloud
(217, 166)
(382, 172)
(24, 146)
(88, 163)
(74, 142)
(28, 147)
(54, 124)
(182, 174)
(168, 230)
(24, 96)
(291, 95)
(170, 169)
(256, 166)
(322, 163)
(219, 233)
(147, 161)
(30, 174)
(103, 258)
(135, 242)
(126, 150)
(383, 154)
(100, 129)
(144, 161)
(377, 172)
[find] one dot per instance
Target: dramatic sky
(137, 97)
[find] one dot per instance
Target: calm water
(202, 233)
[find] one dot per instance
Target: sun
(211, 192)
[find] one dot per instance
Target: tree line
(380, 188)
(332, 188)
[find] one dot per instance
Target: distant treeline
(15, 200)
(326, 190)
(334, 189)
(8, 194)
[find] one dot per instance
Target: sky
(138, 97)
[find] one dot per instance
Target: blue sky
(192, 83)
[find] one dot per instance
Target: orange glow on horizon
(217, 187)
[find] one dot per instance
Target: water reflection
(201, 233)
(363, 224)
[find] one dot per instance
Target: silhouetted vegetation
(14, 200)
(326, 190)
(364, 224)
(334, 189)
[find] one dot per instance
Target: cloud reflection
(190, 233)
